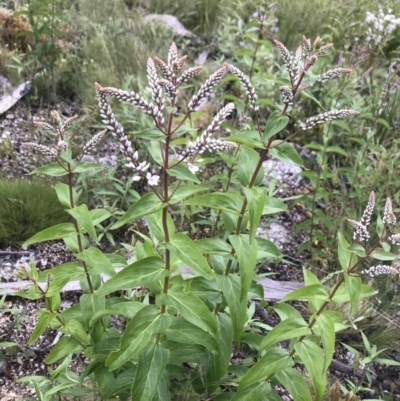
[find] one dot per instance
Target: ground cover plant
(187, 303)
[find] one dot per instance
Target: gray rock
(172, 22)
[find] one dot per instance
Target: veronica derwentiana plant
(196, 320)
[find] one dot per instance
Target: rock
(172, 23)
(282, 171)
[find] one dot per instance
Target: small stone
(10, 117)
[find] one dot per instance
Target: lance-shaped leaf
(286, 153)
(313, 291)
(247, 256)
(288, 329)
(295, 383)
(253, 392)
(191, 307)
(65, 346)
(228, 202)
(143, 272)
(188, 252)
(276, 122)
(147, 204)
(63, 195)
(152, 362)
(185, 332)
(82, 216)
(45, 317)
(138, 334)
(312, 357)
(246, 166)
(58, 231)
(96, 261)
(326, 329)
(273, 361)
(230, 286)
(256, 198)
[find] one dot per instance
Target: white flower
(136, 178)
(130, 165)
(193, 169)
(143, 166)
(152, 179)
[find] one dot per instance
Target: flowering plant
(186, 301)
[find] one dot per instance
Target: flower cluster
(325, 117)
(204, 142)
(361, 227)
(380, 26)
(379, 270)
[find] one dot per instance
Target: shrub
(26, 207)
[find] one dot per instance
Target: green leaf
(266, 249)
(246, 166)
(53, 170)
(64, 273)
(224, 338)
(58, 231)
(182, 331)
(82, 216)
(162, 392)
(308, 292)
(45, 317)
(230, 286)
(96, 261)
(138, 334)
(123, 307)
(256, 198)
(152, 362)
(343, 294)
(326, 329)
(121, 383)
(99, 215)
(273, 205)
(336, 149)
(295, 383)
(252, 393)
(75, 329)
(185, 191)
(64, 346)
(213, 246)
(309, 95)
(146, 205)
(382, 255)
(64, 195)
(90, 305)
(354, 288)
(181, 172)
(191, 352)
(311, 356)
(310, 279)
(285, 311)
(275, 123)
(247, 256)
(274, 360)
(187, 251)
(217, 200)
(143, 272)
(288, 329)
(156, 227)
(286, 153)
(344, 255)
(191, 307)
(249, 138)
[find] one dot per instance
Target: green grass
(27, 207)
